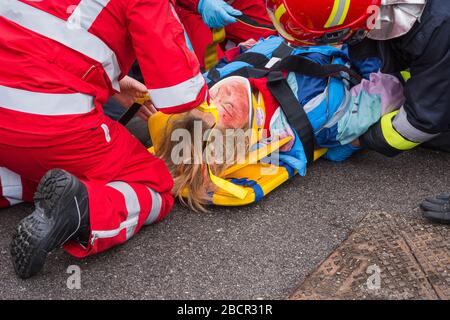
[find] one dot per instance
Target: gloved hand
(341, 153)
(217, 13)
(437, 209)
(132, 90)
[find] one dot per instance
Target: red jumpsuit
(201, 35)
(60, 60)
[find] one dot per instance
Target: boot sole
(35, 237)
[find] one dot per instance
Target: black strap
(129, 114)
(255, 59)
(295, 114)
(247, 20)
(310, 68)
(283, 51)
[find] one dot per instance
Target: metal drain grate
(387, 257)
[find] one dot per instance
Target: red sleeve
(171, 71)
(191, 5)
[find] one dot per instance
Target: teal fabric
(364, 111)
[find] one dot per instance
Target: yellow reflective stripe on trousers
(64, 32)
(393, 138)
(47, 104)
(338, 14)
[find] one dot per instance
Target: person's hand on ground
(217, 13)
(437, 209)
(132, 90)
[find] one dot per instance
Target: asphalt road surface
(262, 251)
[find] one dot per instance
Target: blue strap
(211, 196)
(289, 169)
(244, 182)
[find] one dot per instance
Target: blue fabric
(259, 193)
(367, 66)
(296, 157)
(288, 168)
(341, 153)
(229, 68)
(326, 138)
(188, 42)
(217, 13)
(364, 111)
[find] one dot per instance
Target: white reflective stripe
(340, 112)
(88, 11)
(272, 62)
(408, 131)
(106, 131)
(61, 31)
(11, 185)
(49, 104)
(179, 94)
(316, 101)
(156, 207)
(114, 233)
(132, 204)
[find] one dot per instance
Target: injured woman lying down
(339, 115)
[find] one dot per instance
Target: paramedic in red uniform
(203, 20)
(94, 184)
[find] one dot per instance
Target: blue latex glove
(217, 13)
(341, 153)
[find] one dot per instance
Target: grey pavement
(262, 251)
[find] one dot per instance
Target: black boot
(437, 209)
(61, 214)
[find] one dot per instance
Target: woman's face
(232, 102)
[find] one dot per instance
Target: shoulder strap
(310, 68)
(255, 59)
(294, 112)
(283, 51)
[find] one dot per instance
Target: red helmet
(309, 22)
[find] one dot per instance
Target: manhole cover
(387, 257)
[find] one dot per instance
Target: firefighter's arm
(365, 58)
(426, 112)
(171, 71)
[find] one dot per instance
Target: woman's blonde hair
(190, 171)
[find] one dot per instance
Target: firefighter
(94, 185)
(402, 34)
